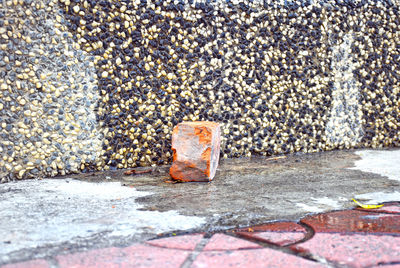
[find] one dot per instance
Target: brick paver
(110, 257)
(250, 258)
(278, 233)
(356, 250)
(387, 266)
(226, 242)
(358, 238)
(279, 239)
(133, 256)
(29, 264)
(184, 242)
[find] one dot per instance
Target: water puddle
(354, 221)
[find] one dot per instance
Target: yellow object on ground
(366, 206)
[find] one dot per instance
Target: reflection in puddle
(354, 221)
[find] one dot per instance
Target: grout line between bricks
(53, 262)
(310, 232)
(198, 249)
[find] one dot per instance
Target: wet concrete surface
(252, 191)
(42, 218)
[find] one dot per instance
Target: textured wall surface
(88, 85)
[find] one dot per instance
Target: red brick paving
(278, 233)
(279, 239)
(29, 264)
(356, 250)
(147, 256)
(226, 242)
(358, 238)
(133, 256)
(183, 242)
(251, 258)
(110, 257)
(387, 266)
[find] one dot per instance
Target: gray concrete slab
(40, 218)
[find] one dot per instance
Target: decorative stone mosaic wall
(95, 84)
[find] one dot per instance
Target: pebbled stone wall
(48, 97)
(88, 85)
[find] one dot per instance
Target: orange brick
(195, 147)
